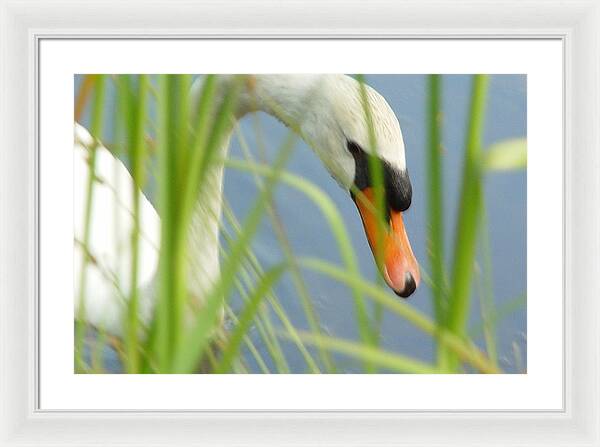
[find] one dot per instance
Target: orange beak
(390, 246)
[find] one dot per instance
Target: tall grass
(135, 112)
(452, 301)
(178, 148)
(469, 216)
(96, 129)
(435, 206)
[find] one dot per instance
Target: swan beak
(392, 251)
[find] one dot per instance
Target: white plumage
(108, 277)
(327, 110)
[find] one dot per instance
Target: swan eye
(354, 148)
(398, 189)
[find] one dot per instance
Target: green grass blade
(182, 135)
(371, 355)
(435, 207)
(96, 131)
(182, 171)
(138, 107)
(245, 320)
(435, 203)
(468, 215)
(375, 168)
(179, 87)
(377, 182)
(487, 302)
(166, 208)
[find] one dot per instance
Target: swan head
(329, 113)
(335, 124)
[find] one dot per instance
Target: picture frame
(23, 24)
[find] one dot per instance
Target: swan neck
(203, 236)
(282, 96)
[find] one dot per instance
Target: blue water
(505, 196)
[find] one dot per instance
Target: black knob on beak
(409, 286)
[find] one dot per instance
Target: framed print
(211, 235)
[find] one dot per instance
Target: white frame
(21, 23)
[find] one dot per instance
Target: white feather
(108, 276)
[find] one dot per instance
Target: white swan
(329, 113)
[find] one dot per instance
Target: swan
(326, 110)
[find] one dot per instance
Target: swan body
(108, 276)
(328, 113)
